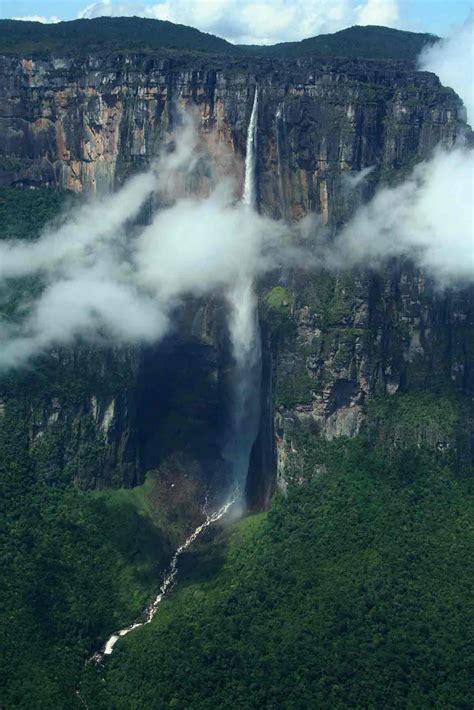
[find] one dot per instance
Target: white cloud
(257, 21)
(38, 18)
(378, 12)
(89, 287)
(103, 280)
(453, 61)
(428, 218)
(84, 228)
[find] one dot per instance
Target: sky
(259, 21)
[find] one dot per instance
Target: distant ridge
(106, 34)
(368, 42)
(137, 34)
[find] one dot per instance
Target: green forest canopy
(125, 34)
(352, 592)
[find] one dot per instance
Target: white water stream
(168, 581)
(249, 196)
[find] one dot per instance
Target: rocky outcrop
(357, 335)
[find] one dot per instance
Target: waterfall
(167, 584)
(246, 384)
(280, 128)
(246, 380)
(245, 338)
(249, 196)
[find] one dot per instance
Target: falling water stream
(280, 138)
(245, 338)
(249, 196)
(246, 346)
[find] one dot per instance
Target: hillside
(369, 42)
(106, 34)
(352, 592)
(132, 34)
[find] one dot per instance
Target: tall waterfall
(246, 348)
(249, 196)
(245, 337)
(280, 139)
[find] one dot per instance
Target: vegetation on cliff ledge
(24, 213)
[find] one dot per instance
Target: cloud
(103, 278)
(86, 286)
(378, 12)
(38, 18)
(93, 304)
(86, 227)
(257, 21)
(452, 60)
(428, 218)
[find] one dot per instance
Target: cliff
(107, 454)
(85, 123)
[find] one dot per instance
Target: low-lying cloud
(103, 278)
(452, 60)
(429, 218)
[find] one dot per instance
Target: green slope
(353, 592)
(370, 42)
(74, 567)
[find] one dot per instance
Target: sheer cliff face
(86, 124)
(83, 124)
(360, 334)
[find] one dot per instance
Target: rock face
(78, 408)
(357, 335)
(85, 124)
